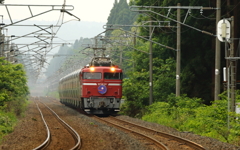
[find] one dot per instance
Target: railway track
(154, 138)
(61, 131)
(147, 140)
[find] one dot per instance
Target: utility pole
(121, 57)
(1, 42)
(178, 69)
(217, 55)
(178, 21)
(150, 65)
(134, 40)
(150, 53)
(233, 68)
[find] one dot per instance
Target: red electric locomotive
(96, 89)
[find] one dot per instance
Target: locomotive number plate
(102, 83)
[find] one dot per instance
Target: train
(95, 88)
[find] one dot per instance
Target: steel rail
(158, 143)
(167, 135)
(70, 129)
(47, 141)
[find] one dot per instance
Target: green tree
(13, 94)
(13, 86)
(121, 14)
(197, 52)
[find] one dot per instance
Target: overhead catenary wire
(177, 22)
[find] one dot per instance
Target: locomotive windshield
(109, 75)
(92, 75)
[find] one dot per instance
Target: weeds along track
(59, 133)
(153, 138)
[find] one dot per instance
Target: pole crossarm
(50, 55)
(202, 31)
(22, 52)
(44, 37)
(42, 29)
(28, 25)
(25, 35)
(154, 26)
(174, 7)
(118, 27)
(32, 43)
(149, 40)
(52, 8)
(36, 43)
(232, 58)
(107, 40)
(63, 10)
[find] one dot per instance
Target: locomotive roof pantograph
(101, 61)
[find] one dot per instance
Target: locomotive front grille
(102, 102)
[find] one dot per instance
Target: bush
(13, 94)
(7, 122)
(189, 114)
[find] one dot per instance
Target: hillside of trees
(65, 53)
(197, 49)
(121, 15)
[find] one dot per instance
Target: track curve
(48, 141)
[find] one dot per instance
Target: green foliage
(7, 122)
(12, 82)
(53, 94)
(121, 14)
(13, 94)
(197, 51)
(189, 114)
(136, 86)
(135, 101)
(17, 106)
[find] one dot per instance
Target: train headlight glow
(92, 68)
(113, 69)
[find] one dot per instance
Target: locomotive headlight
(113, 69)
(92, 68)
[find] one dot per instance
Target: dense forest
(197, 49)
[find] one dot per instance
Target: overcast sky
(93, 15)
(86, 10)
